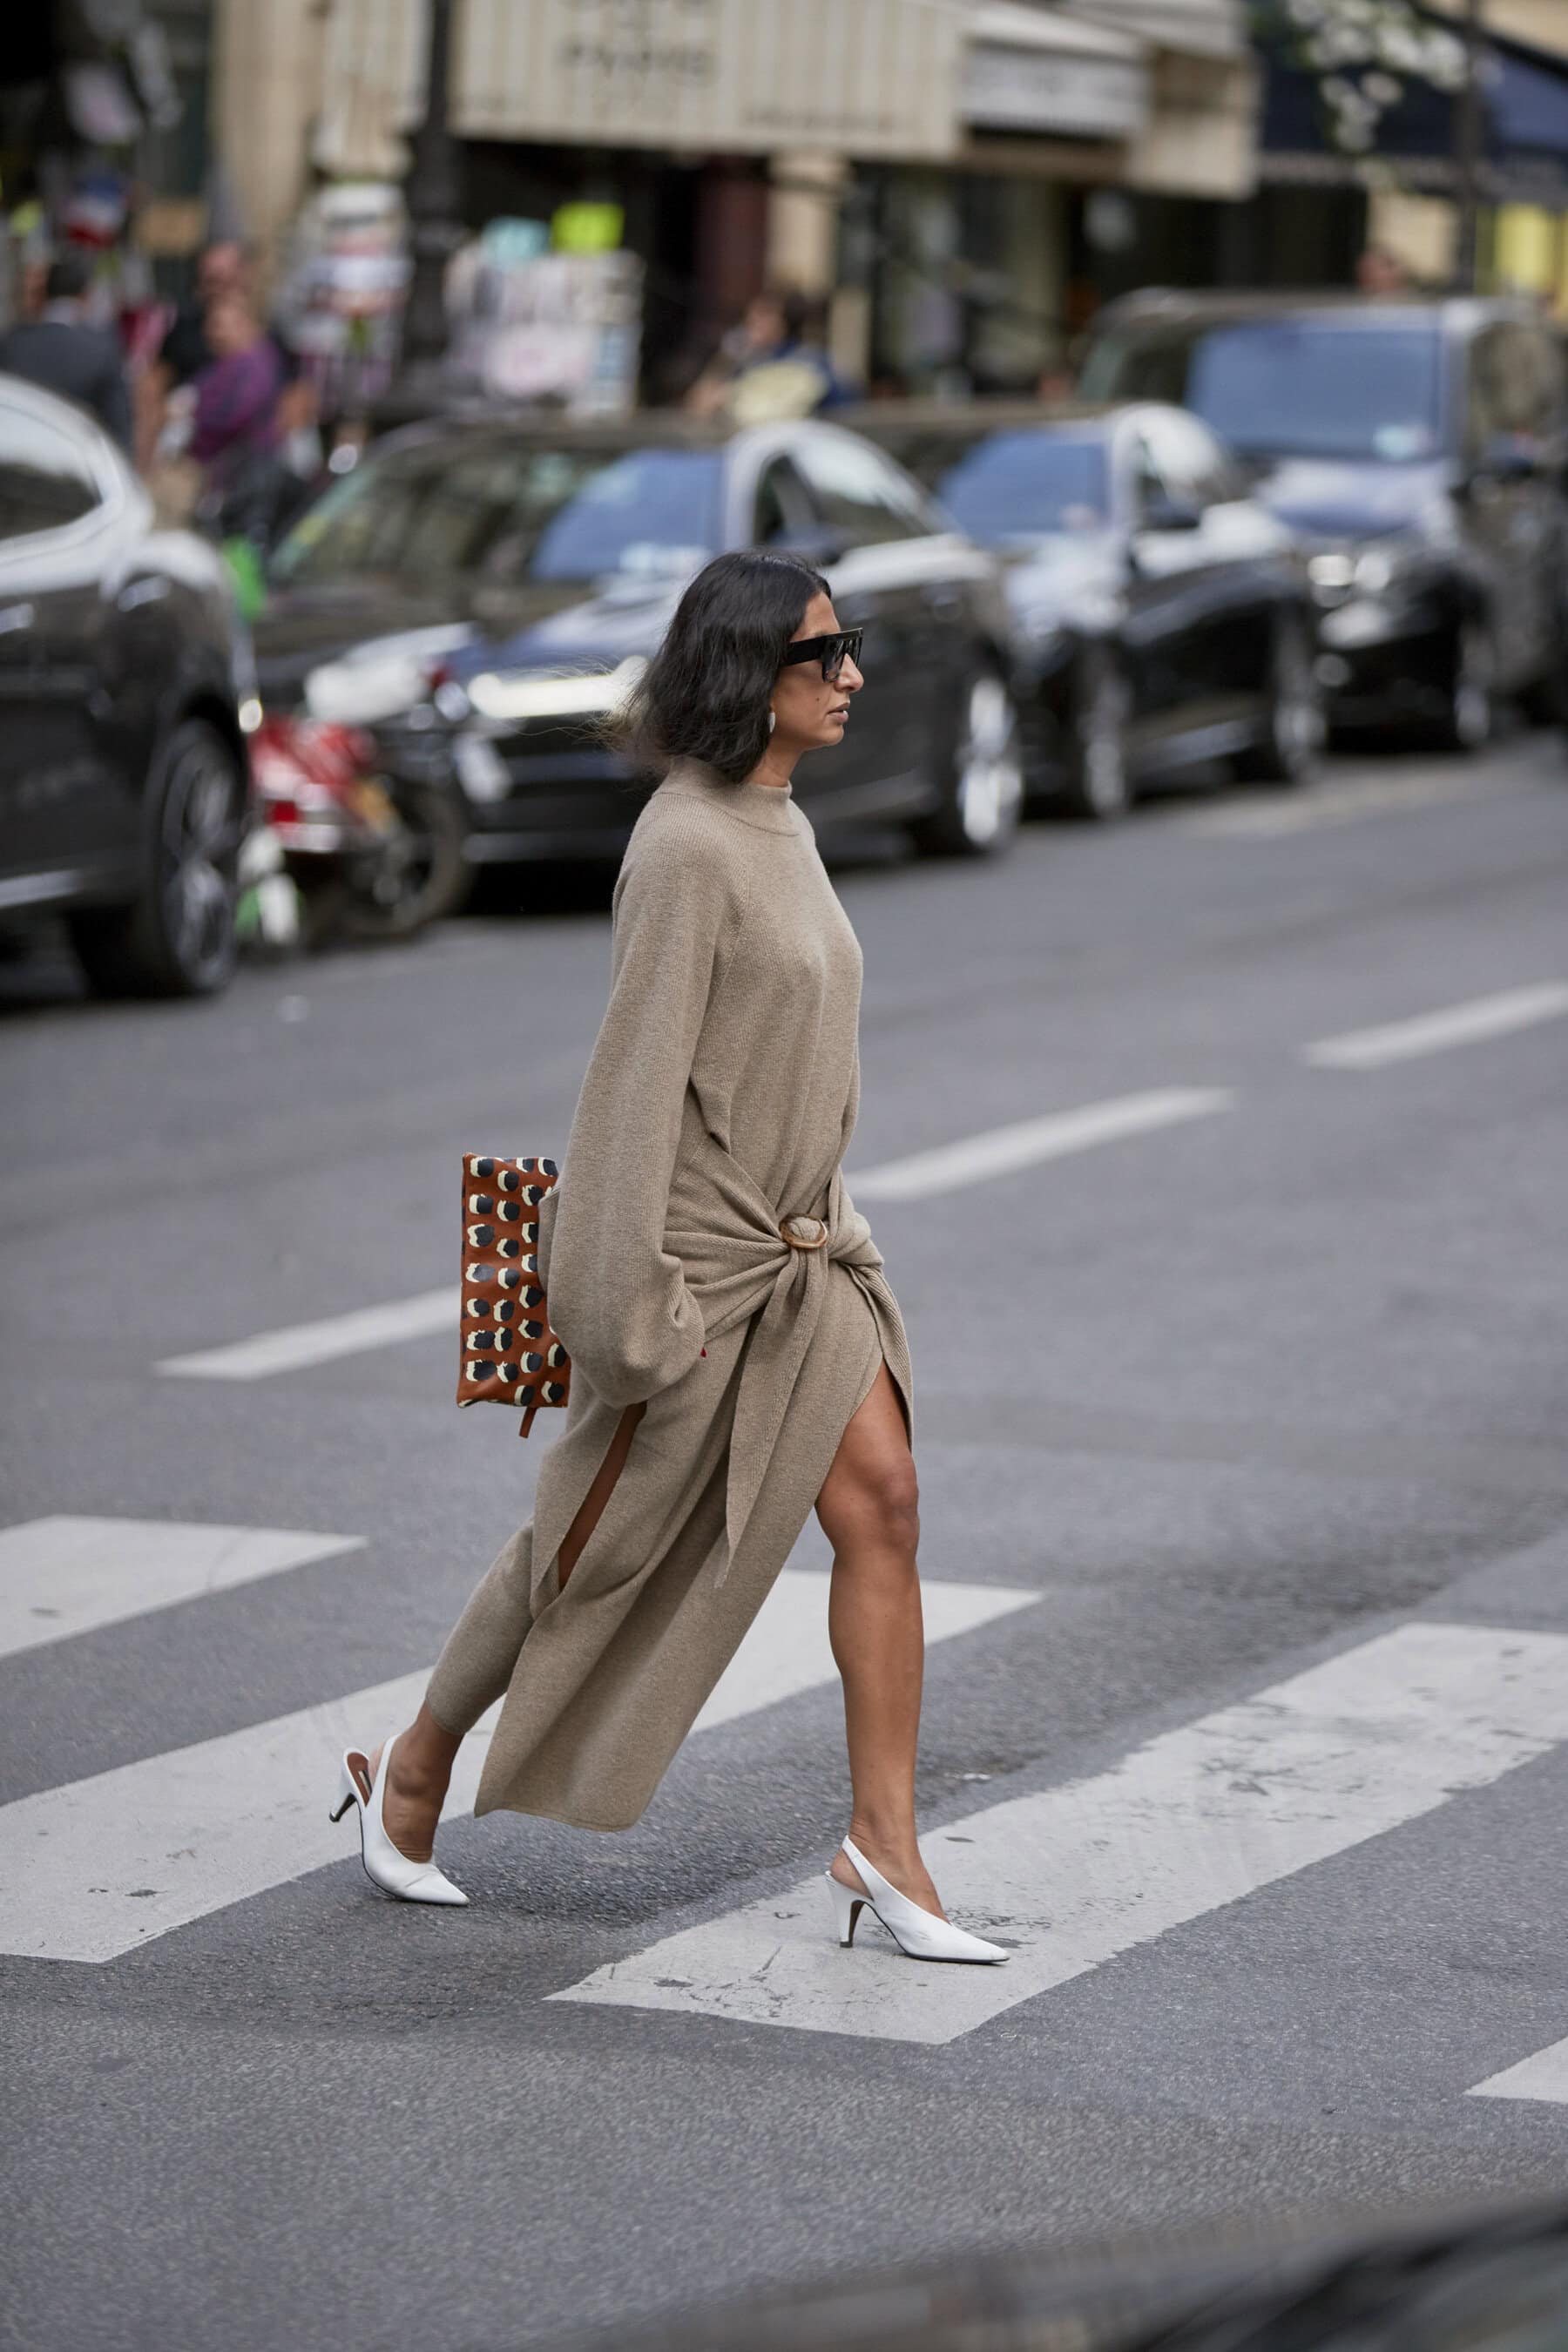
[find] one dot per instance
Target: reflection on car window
(1319, 391)
(1016, 485)
(857, 490)
(1309, 387)
(509, 512)
(45, 480)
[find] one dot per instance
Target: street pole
(431, 194)
(1468, 152)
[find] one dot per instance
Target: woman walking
(738, 1357)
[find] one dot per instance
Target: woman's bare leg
(870, 1511)
(423, 1759)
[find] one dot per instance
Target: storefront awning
(1524, 107)
(1037, 70)
(1197, 28)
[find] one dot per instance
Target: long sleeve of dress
(618, 1299)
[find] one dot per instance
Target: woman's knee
(886, 1505)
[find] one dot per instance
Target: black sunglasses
(833, 652)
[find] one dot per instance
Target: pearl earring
(773, 718)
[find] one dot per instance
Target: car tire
(1098, 785)
(429, 879)
(980, 777)
(1470, 714)
(178, 938)
(1291, 739)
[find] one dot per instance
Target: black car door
(67, 815)
(1169, 642)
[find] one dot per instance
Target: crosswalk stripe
(1543, 2076)
(1434, 1033)
(1001, 1150)
(65, 1576)
(100, 1866)
(1195, 1819)
(300, 1344)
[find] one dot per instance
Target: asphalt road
(1245, 1502)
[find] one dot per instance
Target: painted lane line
(1003, 1149)
(65, 1576)
(1195, 1819)
(102, 1866)
(996, 1153)
(1543, 2076)
(1434, 1033)
(289, 1350)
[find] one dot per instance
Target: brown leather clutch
(510, 1354)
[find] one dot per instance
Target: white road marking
(1543, 2076)
(1002, 1149)
(1195, 1819)
(1344, 803)
(64, 1576)
(997, 1153)
(300, 1344)
(102, 1866)
(785, 1648)
(1434, 1033)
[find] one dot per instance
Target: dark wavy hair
(704, 696)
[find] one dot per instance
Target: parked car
(1160, 615)
(1419, 445)
(478, 596)
(125, 688)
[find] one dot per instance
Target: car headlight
(359, 693)
(1369, 570)
(554, 694)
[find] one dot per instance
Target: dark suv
(1417, 448)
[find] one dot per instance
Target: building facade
(952, 177)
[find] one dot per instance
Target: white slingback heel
(385, 1866)
(919, 1935)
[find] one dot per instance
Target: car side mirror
(1161, 513)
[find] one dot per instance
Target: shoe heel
(847, 1908)
(347, 1792)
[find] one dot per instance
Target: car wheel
(1469, 710)
(420, 876)
(1291, 741)
(1098, 784)
(178, 938)
(981, 778)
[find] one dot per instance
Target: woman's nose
(850, 677)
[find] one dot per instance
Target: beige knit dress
(719, 1101)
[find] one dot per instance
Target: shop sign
(878, 78)
(1046, 90)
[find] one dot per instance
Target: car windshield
(1299, 387)
(506, 512)
(1022, 484)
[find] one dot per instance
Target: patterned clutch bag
(510, 1354)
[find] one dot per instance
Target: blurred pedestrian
(770, 365)
(63, 352)
(1380, 270)
(738, 1357)
(235, 431)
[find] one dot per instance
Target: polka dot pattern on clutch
(501, 1288)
